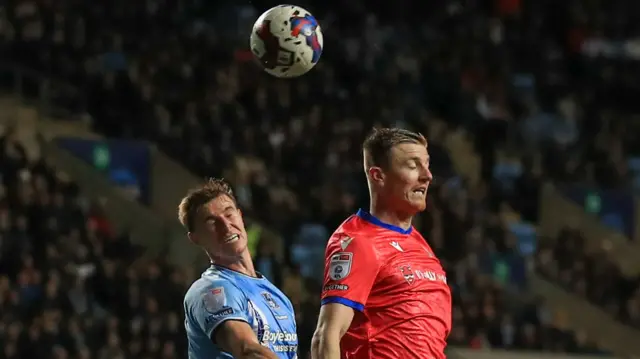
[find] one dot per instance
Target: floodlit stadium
(110, 111)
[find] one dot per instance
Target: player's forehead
(217, 206)
(406, 151)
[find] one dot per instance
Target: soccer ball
(287, 41)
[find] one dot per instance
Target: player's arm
(238, 339)
(333, 322)
(349, 274)
(220, 310)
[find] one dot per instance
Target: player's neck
(242, 264)
(244, 268)
(395, 218)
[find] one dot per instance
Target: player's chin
(418, 204)
(236, 247)
(236, 240)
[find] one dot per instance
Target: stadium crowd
(68, 290)
(163, 71)
(591, 273)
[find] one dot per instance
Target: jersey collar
(228, 270)
(375, 221)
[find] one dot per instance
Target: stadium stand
(592, 274)
(161, 72)
(57, 252)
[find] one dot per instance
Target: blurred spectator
(55, 297)
(591, 273)
(267, 264)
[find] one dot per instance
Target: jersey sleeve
(351, 266)
(216, 303)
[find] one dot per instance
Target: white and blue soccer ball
(287, 41)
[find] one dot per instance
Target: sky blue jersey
(222, 294)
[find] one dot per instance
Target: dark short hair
(380, 141)
(198, 197)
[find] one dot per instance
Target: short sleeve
(216, 303)
(351, 266)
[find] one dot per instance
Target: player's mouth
(231, 238)
(421, 191)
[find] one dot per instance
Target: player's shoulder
(212, 282)
(360, 224)
(416, 234)
(352, 233)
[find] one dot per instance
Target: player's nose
(425, 175)
(224, 225)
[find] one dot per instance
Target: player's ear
(192, 238)
(376, 174)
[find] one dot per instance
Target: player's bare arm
(237, 338)
(333, 322)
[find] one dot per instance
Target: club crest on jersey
(270, 301)
(214, 300)
(407, 273)
(340, 265)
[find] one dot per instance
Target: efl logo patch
(340, 265)
(214, 300)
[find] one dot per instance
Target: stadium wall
(161, 188)
(128, 215)
(144, 227)
(578, 314)
(558, 212)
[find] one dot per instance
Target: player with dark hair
(385, 294)
(232, 311)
